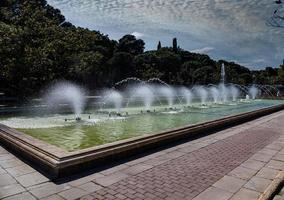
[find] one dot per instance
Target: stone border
(58, 163)
(273, 188)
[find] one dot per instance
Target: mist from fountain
(66, 93)
(235, 92)
(222, 88)
(223, 74)
(114, 98)
(168, 93)
(224, 93)
(202, 93)
(253, 92)
(144, 93)
(215, 94)
(153, 90)
(186, 94)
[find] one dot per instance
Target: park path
(236, 163)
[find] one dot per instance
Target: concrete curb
(273, 188)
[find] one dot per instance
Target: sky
(234, 30)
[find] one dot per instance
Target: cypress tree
(159, 45)
(175, 47)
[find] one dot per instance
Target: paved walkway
(237, 163)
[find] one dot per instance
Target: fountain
(222, 87)
(235, 92)
(223, 74)
(66, 93)
(215, 94)
(184, 106)
(144, 93)
(187, 95)
(114, 98)
(168, 93)
(253, 92)
(202, 93)
(111, 133)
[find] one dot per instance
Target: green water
(101, 129)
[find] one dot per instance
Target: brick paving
(190, 174)
(236, 163)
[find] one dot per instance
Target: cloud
(236, 29)
(138, 35)
(204, 50)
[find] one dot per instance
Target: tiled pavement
(236, 163)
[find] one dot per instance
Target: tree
(37, 46)
(203, 75)
(281, 74)
(121, 66)
(175, 47)
(130, 44)
(159, 45)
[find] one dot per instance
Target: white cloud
(204, 50)
(236, 29)
(138, 35)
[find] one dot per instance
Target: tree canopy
(38, 46)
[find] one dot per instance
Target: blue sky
(234, 30)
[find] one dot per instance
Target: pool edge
(57, 163)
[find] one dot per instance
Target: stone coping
(58, 163)
(273, 188)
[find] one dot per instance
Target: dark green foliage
(130, 44)
(281, 74)
(271, 76)
(37, 46)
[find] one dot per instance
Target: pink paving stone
(2, 171)
(6, 156)
(90, 187)
(73, 193)
(268, 152)
(243, 173)
(11, 163)
(6, 179)
(257, 184)
(20, 170)
(275, 164)
(214, 193)
(230, 184)
(262, 157)
(137, 169)
(267, 173)
(86, 179)
(111, 179)
(246, 194)
(10, 190)
(47, 189)
(253, 164)
(31, 179)
(53, 197)
(190, 174)
(88, 197)
(279, 157)
(22, 196)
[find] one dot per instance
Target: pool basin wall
(57, 163)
